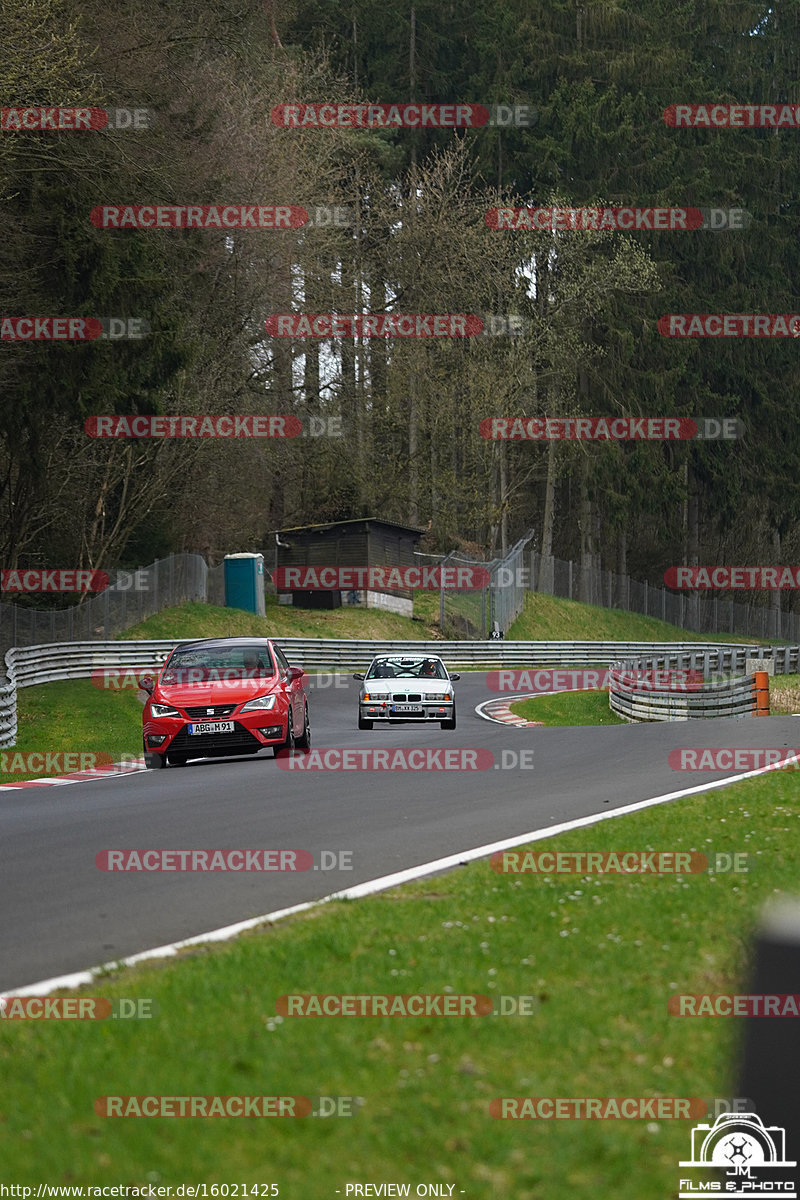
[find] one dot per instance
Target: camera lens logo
(751, 1155)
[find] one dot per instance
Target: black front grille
(407, 696)
(200, 711)
(201, 743)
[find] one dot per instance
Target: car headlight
(163, 710)
(259, 703)
(439, 696)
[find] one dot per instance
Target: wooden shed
(365, 542)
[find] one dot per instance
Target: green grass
(568, 708)
(74, 715)
(548, 618)
(196, 620)
(544, 618)
(600, 954)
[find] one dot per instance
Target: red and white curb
(500, 712)
(132, 767)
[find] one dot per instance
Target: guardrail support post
(771, 1045)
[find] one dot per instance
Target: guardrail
(31, 665)
(635, 697)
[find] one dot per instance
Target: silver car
(404, 688)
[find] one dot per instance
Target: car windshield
(205, 664)
(407, 668)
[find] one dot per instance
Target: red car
(224, 696)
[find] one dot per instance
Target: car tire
(362, 724)
(304, 741)
(289, 744)
(451, 724)
(153, 761)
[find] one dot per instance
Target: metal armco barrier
(31, 665)
(735, 695)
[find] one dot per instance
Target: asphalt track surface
(61, 913)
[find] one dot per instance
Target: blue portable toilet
(244, 582)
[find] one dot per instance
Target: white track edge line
(79, 978)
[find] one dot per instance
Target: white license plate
(406, 708)
(212, 727)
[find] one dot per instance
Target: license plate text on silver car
(212, 727)
(406, 708)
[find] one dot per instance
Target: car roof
(231, 641)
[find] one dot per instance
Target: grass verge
(601, 955)
(548, 618)
(196, 620)
(568, 708)
(73, 715)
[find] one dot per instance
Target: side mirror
(455, 677)
(147, 684)
(295, 673)
(359, 675)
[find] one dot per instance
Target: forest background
(599, 74)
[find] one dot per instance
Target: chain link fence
(133, 597)
(698, 611)
(462, 613)
(475, 614)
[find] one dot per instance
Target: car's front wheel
(362, 724)
(451, 723)
(304, 741)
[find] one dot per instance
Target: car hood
(231, 691)
(385, 687)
